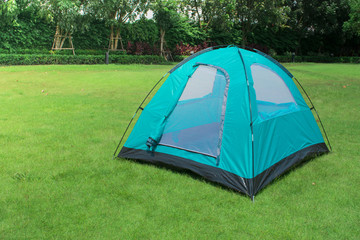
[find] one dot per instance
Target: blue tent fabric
(199, 121)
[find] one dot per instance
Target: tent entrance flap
(197, 120)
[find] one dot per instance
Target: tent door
(196, 122)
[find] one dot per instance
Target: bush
(179, 58)
(318, 59)
(61, 52)
(134, 59)
(23, 59)
(187, 50)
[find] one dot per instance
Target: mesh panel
(194, 124)
(273, 97)
(200, 84)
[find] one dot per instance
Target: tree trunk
(111, 44)
(116, 40)
(121, 43)
(162, 40)
(63, 39)
(57, 38)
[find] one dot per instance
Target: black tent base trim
(288, 163)
(244, 185)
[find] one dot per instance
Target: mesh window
(273, 97)
(195, 122)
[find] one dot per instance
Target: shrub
(179, 58)
(23, 59)
(186, 49)
(61, 52)
(318, 59)
(141, 48)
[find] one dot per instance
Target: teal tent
(231, 115)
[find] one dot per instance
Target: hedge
(41, 59)
(23, 59)
(318, 59)
(62, 52)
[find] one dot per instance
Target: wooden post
(59, 40)
(114, 40)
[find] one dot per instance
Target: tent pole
(251, 127)
(139, 108)
(313, 107)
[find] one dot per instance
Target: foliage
(353, 24)
(280, 40)
(8, 13)
(46, 51)
(27, 29)
(249, 14)
(115, 13)
(319, 24)
(317, 59)
(185, 31)
(187, 49)
(34, 59)
(166, 18)
(141, 48)
(66, 14)
(175, 27)
(208, 14)
(142, 30)
(165, 14)
(327, 27)
(95, 36)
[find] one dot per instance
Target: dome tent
(231, 115)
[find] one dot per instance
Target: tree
(208, 14)
(8, 12)
(249, 14)
(115, 13)
(67, 15)
(143, 30)
(319, 24)
(212, 18)
(353, 24)
(166, 17)
(22, 25)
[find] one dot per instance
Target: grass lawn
(59, 126)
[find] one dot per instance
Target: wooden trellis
(166, 53)
(114, 41)
(59, 40)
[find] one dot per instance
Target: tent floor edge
(286, 164)
(209, 173)
(223, 177)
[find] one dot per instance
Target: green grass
(58, 179)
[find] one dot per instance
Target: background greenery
(60, 126)
(41, 59)
(312, 28)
